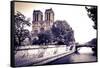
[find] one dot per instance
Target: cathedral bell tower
(37, 19)
(40, 25)
(49, 18)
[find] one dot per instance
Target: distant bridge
(84, 45)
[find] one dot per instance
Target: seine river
(85, 54)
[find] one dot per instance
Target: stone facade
(40, 25)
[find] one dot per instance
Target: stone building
(39, 24)
(49, 18)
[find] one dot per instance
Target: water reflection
(85, 50)
(83, 57)
(85, 54)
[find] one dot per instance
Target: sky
(76, 17)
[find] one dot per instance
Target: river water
(83, 55)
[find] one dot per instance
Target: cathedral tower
(37, 19)
(49, 17)
(40, 25)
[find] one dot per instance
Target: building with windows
(40, 24)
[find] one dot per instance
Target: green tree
(92, 13)
(62, 31)
(45, 37)
(20, 32)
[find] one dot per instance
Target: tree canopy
(62, 31)
(92, 13)
(20, 32)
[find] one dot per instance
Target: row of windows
(36, 17)
(48, 16)
(40, 18)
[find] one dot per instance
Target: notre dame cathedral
(41, 23)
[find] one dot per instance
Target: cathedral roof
(49, 10)
(37, 11)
